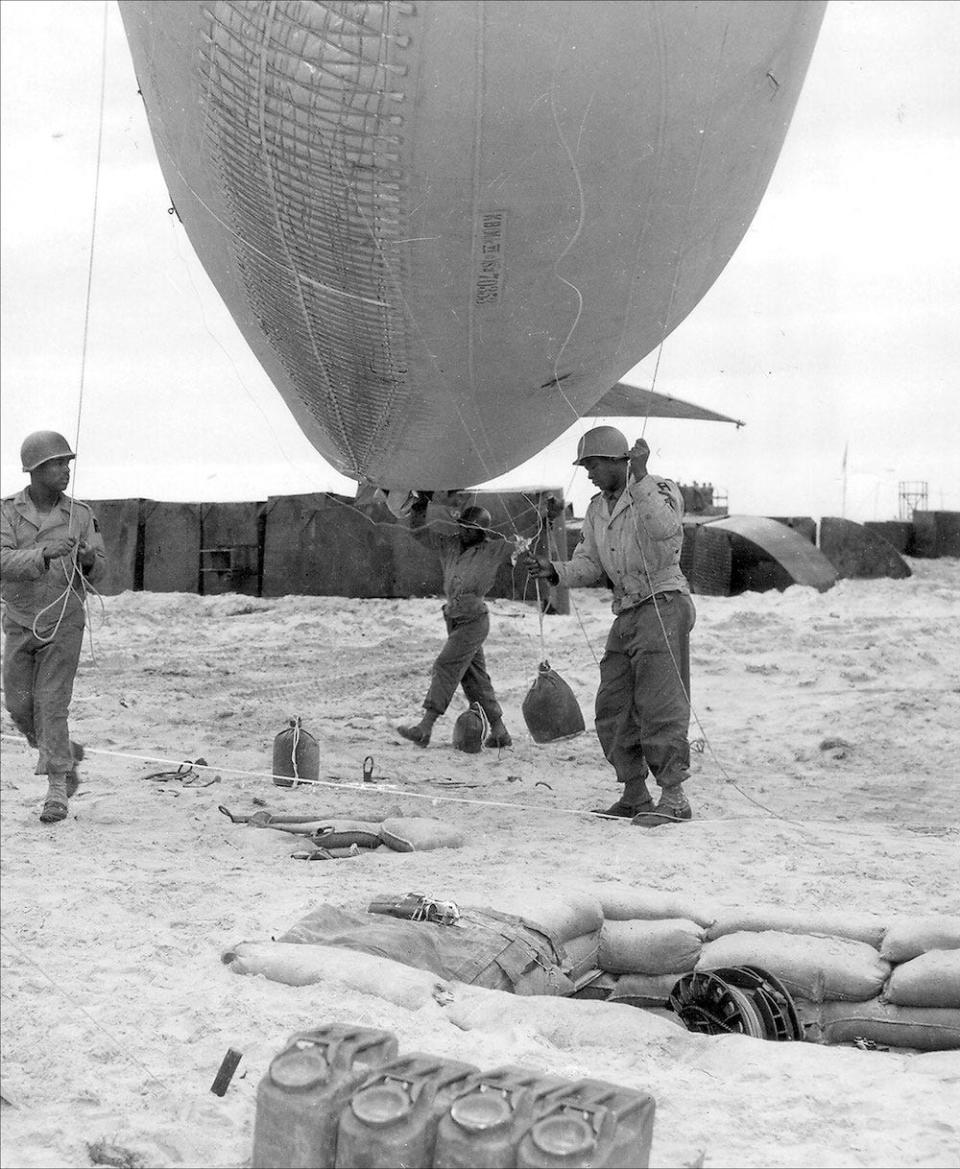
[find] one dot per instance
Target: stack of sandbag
(647, 941)
(853, 976)
(919, 1003)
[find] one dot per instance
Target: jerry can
(393, 1117)
(592, 1124)
(482, 1128)
(300, 1098)
(296, 755)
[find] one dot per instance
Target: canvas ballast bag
(550, 709)
(470, 729)
(296, 756)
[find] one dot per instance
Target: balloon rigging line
(375, 788)
(670, 303)
(379, 248)
(686, 693)
(75, 572)
(93, 233)
(673, 290)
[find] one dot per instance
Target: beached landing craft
(446, 228)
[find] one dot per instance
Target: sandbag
(670, 946)
(470, 730)
(297, 965)
(564, 915)
(582, 954)
(909, 936)
(860, 927)
(571, 1025)
(929, 980)
(919, 1028)
(814, 968)
(550, 709)
(418, 834)
(643, 990)
(621, 903)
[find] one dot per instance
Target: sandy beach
(830, 732)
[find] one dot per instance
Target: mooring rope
(366, 788)
(74, 557)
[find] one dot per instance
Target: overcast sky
(835, 325)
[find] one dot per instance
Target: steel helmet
(42, 446)
(475, 517)
(604, 442)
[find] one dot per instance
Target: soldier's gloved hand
(638, 455)
(87, 557)
(539, 567)
(58, 546)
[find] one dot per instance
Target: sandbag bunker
(773, 973)
(341, 1095)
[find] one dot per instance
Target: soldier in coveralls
(633, 533)
(50, 546)
(471, 558)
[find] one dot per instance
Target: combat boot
(672, 808)
(55, 805)
(499, 736)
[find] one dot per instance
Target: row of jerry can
(341, 1097)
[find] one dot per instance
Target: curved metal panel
(803, 561)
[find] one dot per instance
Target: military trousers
(461, 663)
(643, 701)
(37, 688)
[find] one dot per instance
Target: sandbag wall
(852, 976)
(316, 544)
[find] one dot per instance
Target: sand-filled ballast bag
(418, 834)
(550, 709)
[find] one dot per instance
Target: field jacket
(30, 588)
(468, 573)
(636, 543)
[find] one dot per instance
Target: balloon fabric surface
(447, 229)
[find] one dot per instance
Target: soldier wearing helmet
(471, 555)
(632, 534)
(50, 548)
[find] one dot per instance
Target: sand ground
(828, 779)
